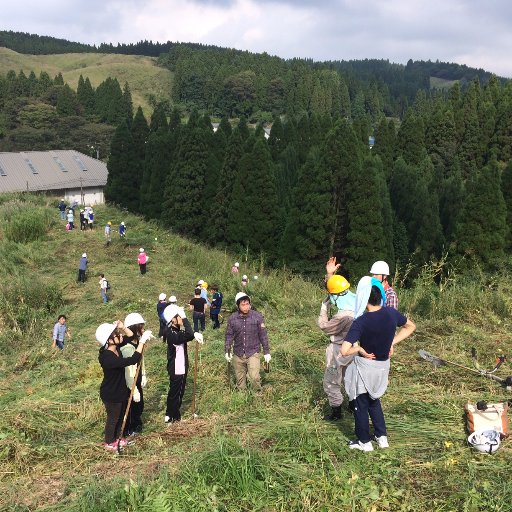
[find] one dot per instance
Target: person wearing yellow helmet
(108, 233)
(336, 328)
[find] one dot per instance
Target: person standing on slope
(134, 323)
(177, 334)
(336, 328)
(113, 390)
(246, 333)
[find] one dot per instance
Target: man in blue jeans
(198, 306)
(366, 379)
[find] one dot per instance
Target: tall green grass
(268, 452)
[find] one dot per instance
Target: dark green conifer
(482, 230)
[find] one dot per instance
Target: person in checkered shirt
(380, 270)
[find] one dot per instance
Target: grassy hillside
(266, 452)
(141, 73)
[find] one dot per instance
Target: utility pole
(82, 198)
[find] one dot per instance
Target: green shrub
(23, 224)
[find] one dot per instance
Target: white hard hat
(486, 441)
(103, 333)
(244, 277)
(237, 264)
(162, 296)
(122, 223)
(133, 319)
(255, 277)
(200, 282)
(173, 299)
(241, 295)
(141, 249)
(170, 312)
(380, 267)
(84, 255)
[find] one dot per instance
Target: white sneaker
(357, 445)
(382, 441)
(167, 419)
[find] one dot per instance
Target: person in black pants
(113, 390)
(198, 305)
(177, 334)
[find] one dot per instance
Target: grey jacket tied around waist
(367, 376)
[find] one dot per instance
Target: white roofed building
(66, 173)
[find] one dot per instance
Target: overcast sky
(473, 32)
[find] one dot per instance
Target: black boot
(335, 414)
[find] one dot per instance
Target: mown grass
(141, 73)
(267, 452)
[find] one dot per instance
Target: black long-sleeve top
(113, 387)
(173, 337)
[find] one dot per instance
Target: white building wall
(91, 196)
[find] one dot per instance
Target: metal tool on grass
(130, 399)
(437, 361)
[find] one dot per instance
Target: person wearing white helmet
(380, 270)
(142, 260)
(122, 230)
(82, 267)
(90, 217)
(160, 306)
(245, 281)
(235, 268)
(113, 390)
(177, 334)
(246, 334)
(71, 219)
(135, 323)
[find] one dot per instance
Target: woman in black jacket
(177, 334)
(113, 390)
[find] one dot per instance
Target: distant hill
(145, 78)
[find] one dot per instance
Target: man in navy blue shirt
(366, 380)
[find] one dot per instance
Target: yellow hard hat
(204, 285)
(337, 284)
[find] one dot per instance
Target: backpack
(107, 285)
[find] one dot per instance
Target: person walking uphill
(366, 379)
(246, 333)
(336, 328)
(108, 233)
(134, 323)
(178, 333)
(215, 306)
(60, 330)
(142, 260)
(113, 390)
(198, 307)
(160, 306)
(82, 267)
(104, 287)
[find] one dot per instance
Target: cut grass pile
(266, 452)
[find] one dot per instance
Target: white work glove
(143, 381)
(146, 336)
(199, 338)
(228, 357)
(267, 358)
(136, 395)
(181, 312)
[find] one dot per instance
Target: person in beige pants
(336, 328)
(246, 333)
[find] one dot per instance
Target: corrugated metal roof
(50, 170)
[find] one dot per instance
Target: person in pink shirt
(142, 260)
